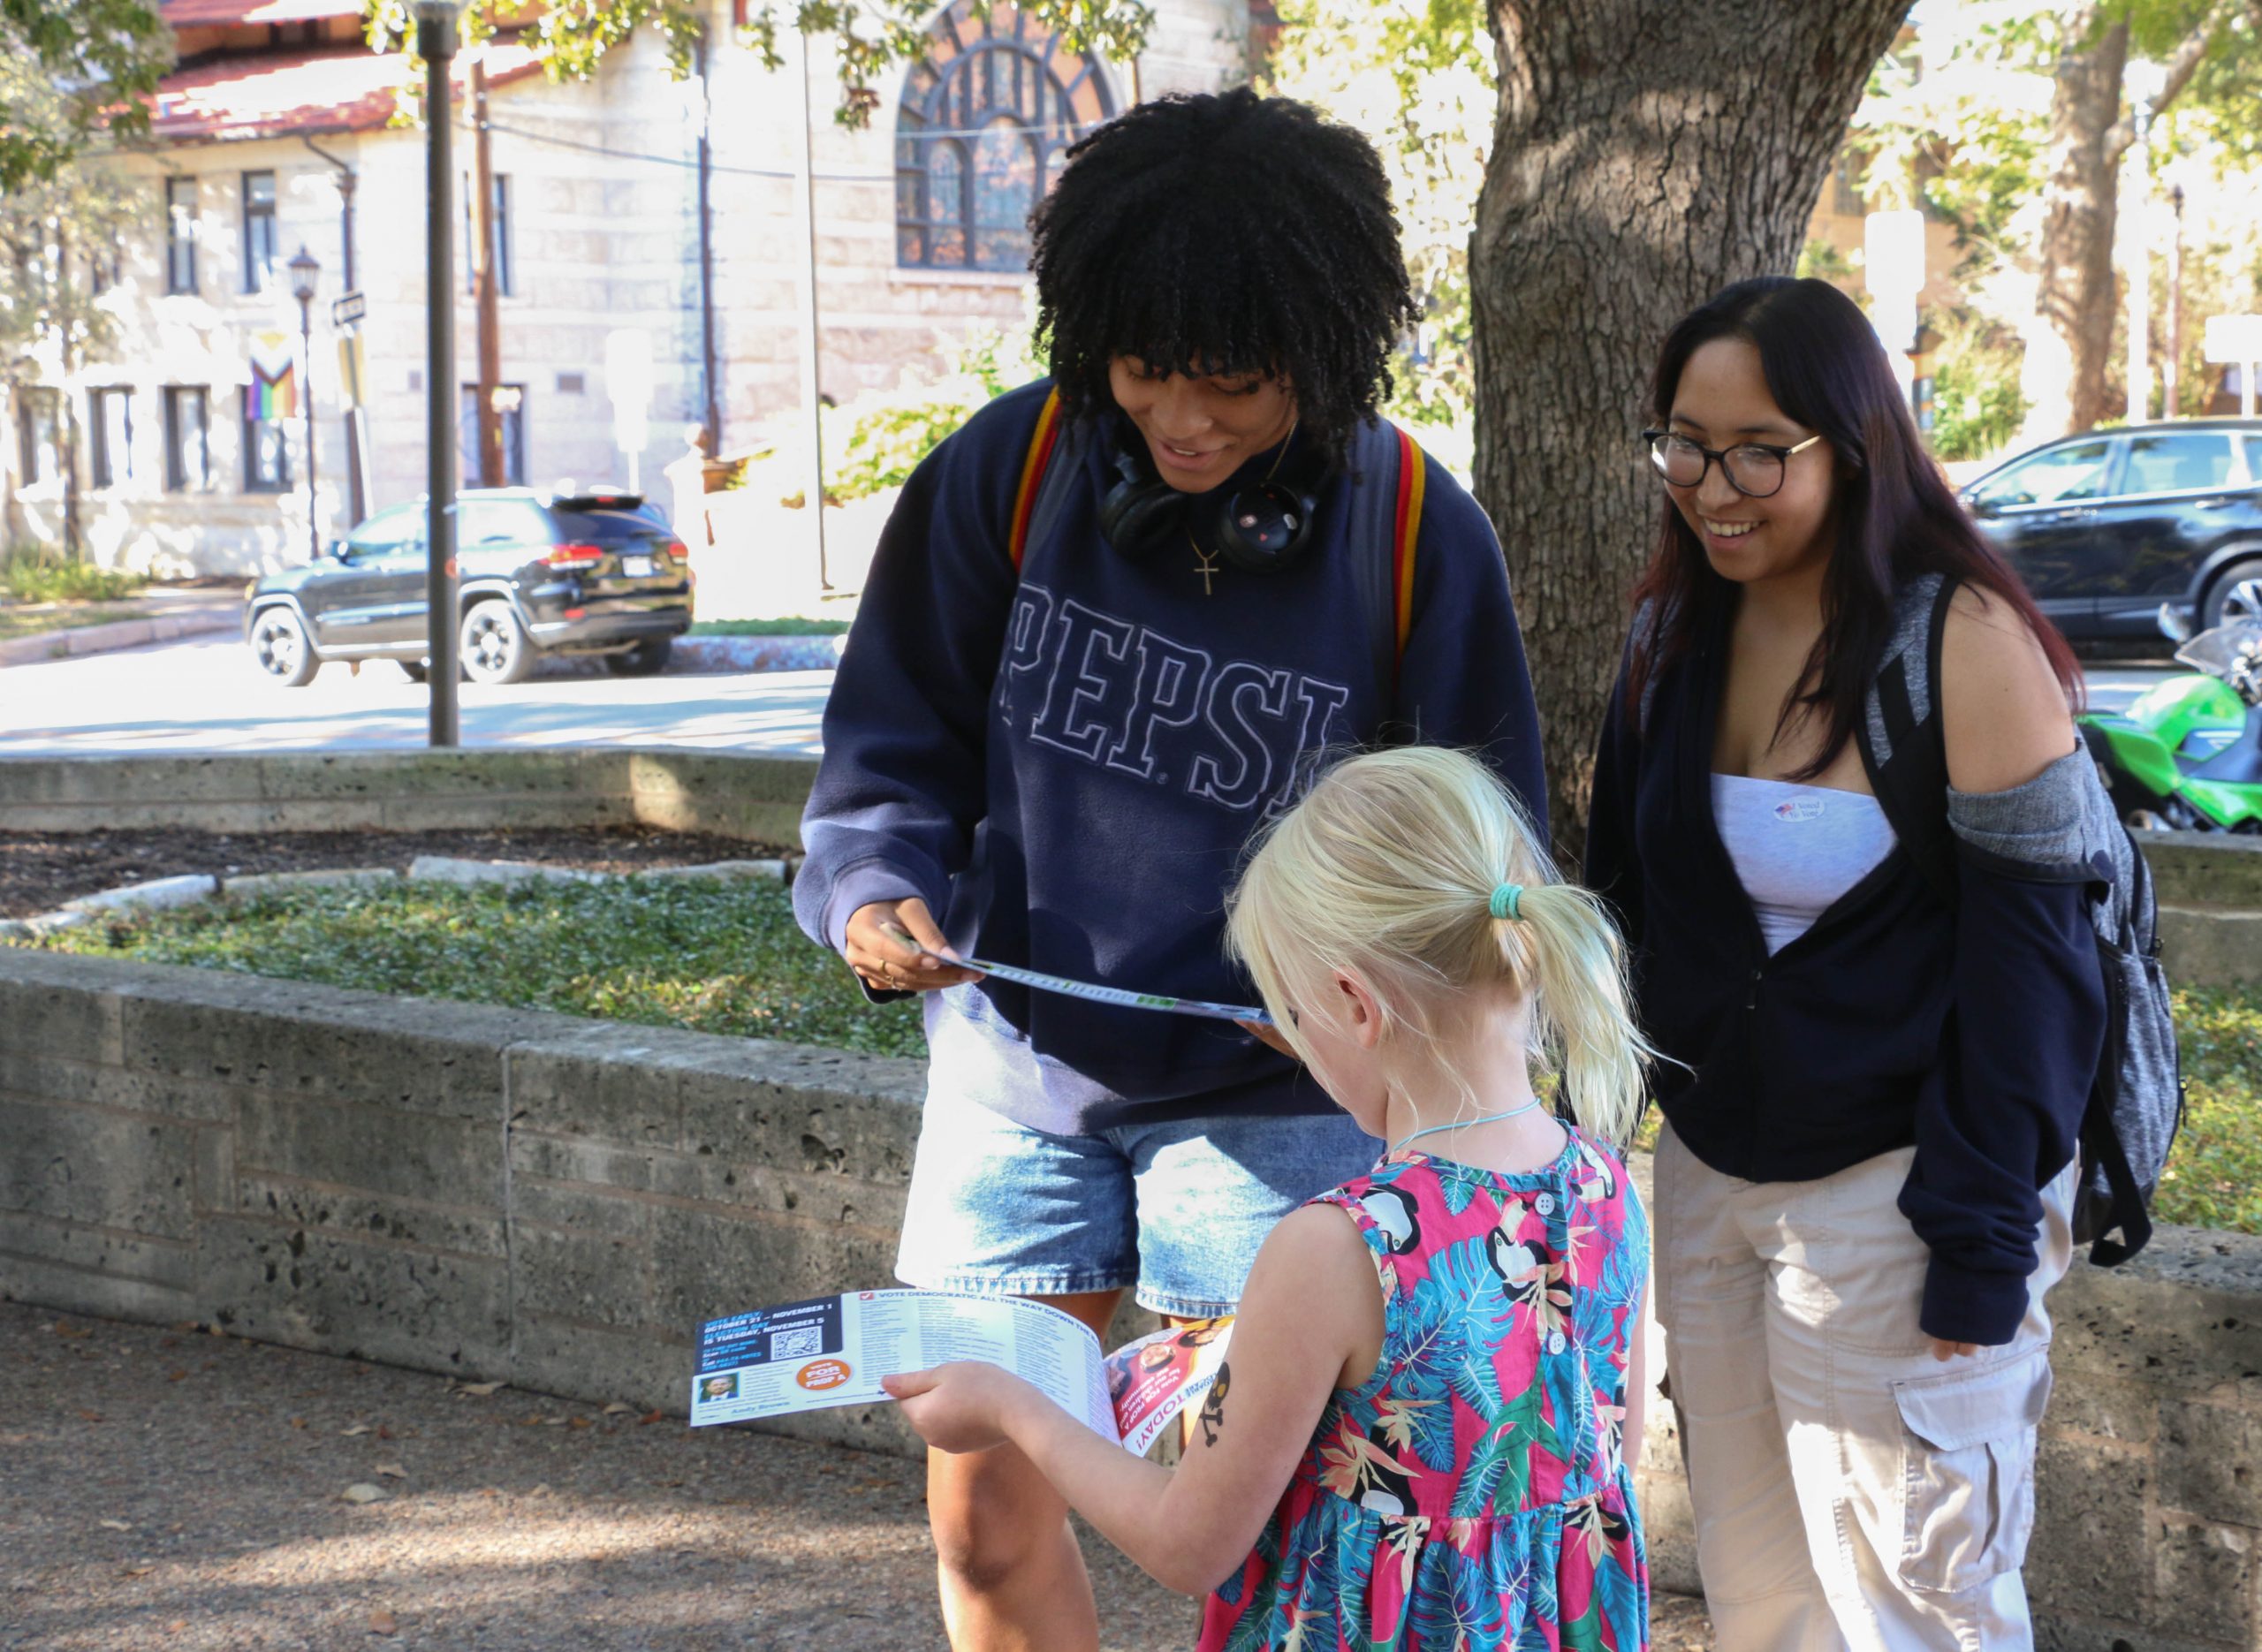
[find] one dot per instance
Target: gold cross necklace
(1208, 567)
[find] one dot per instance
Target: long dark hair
(1897, 519)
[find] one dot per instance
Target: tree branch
(2182, 63)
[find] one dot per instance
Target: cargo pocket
(1968, 1471)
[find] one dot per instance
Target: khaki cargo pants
(1851, 1492)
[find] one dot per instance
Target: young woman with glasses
(1873, 1091)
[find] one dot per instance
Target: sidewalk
(177, 1489)
(167, 613)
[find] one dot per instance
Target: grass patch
(769, 627)
(713, 958)
(16, 624)
(728, 959)
(29, 577)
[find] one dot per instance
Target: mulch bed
(39, 871)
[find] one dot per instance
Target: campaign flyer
(833, 1350)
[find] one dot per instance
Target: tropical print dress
(1470, 1494)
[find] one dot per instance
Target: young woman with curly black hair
(1842, 810)
(1112, 625)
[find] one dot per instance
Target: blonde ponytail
(1414, 870)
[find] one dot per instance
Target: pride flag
(273, 393)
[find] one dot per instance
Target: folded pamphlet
(833, 1350)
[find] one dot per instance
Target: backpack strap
(1413, 477)
(1387, 467)
(1903, 735)
(1033, 506)
(1387, 463)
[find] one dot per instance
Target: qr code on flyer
(798, 1343)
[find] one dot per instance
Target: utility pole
(805, 203)
(482, 283)
(435, 44)
(2169, 370)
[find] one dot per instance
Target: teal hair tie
(1507, 901)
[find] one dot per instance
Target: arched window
(985, 119)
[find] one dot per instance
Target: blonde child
(1441, 1462)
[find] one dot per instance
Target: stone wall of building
(556, 1203)
(603, 235)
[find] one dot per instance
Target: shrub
(1977, 406)
(29, 577)
(888, 435)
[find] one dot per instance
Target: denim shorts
(1178, 1209)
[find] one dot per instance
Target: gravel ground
(39, 871)
(179, 1490)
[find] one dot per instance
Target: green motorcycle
(2187, 754)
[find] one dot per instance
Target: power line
(735, 172)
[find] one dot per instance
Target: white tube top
(1796, 848)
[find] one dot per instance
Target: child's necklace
(1462, 1123)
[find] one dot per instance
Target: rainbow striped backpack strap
(1042, 486)
(1390, 473)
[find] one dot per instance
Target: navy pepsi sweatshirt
(1066, 764)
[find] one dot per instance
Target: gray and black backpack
(2136, 1104)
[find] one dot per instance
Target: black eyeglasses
(1754, 469)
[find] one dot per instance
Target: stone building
(274, 134)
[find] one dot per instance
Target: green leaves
(68, 67)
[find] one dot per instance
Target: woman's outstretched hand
(958, 1407)
(894, 946)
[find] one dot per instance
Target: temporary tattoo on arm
(1213, 1409)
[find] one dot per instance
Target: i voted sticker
(1799, 809)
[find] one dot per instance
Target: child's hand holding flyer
(833, 1351)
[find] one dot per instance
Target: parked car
(593, 571)
(2107, 525)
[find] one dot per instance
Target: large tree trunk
(1646, 157)
(2065, 382)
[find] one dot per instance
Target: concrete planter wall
(557, 1202)
(758, 797)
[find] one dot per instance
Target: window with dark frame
(511, 402)
(180, 235)
(188, 448)
(259, 231)
(39, 435)
(110, 422)
(1846, 185)
(503, 288)
(983, 129)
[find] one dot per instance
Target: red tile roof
(226, 13)
(269, 95)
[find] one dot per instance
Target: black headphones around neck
(1262, 526)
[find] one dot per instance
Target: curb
(193, 888)
(123, 634)
(691, 655)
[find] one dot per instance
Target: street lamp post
(304, 268)
(435, 44)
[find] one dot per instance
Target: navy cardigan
(1972, 1033)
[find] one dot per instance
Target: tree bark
(1645, 157)
(2088, 135)
(2081, 207)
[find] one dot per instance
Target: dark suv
(2107, 525)
(598, 571)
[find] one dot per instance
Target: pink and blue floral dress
(1470, 1496)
